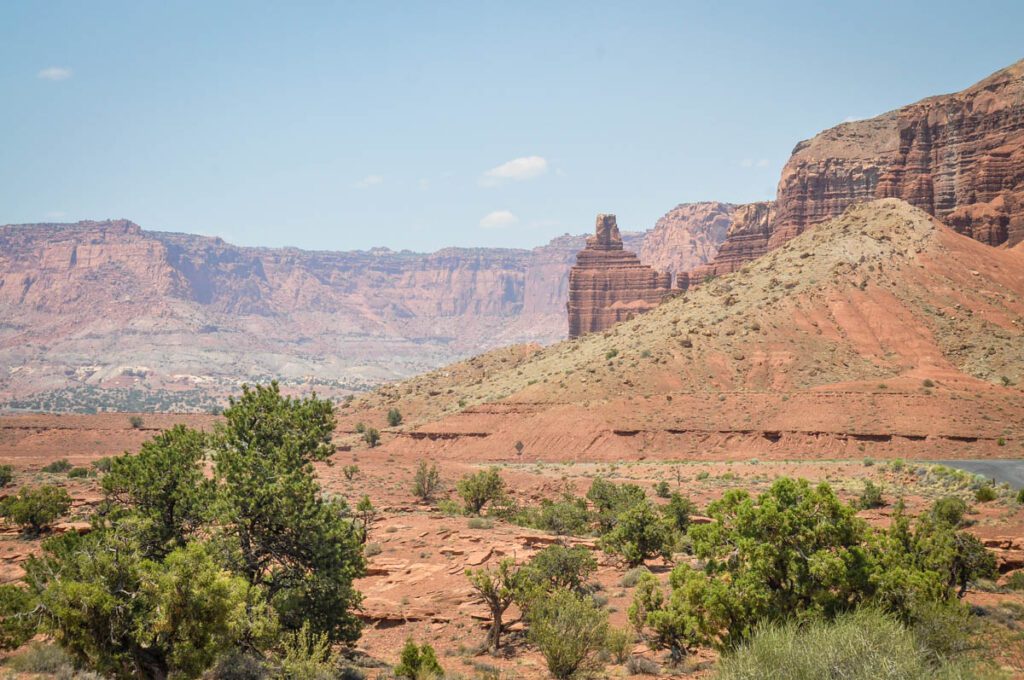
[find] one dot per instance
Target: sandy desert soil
(416, 584)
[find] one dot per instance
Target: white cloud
(750, 163)
(368, 181)
(499, 219)
(763, 163)
(515, 170)
(55, 73)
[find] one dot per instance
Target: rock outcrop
(959, 157)
(609, 284)
(687, 236)
(747, 240)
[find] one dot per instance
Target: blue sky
(335, 125)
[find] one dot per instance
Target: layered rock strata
(687, 236)
(609, 284)
(959, 157)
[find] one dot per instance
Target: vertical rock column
(609, 284)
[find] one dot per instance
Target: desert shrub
(103, 464)
(678, 510)
(135, 422)
(632, 576)
(871, 496)
(1020, 496)
(479, 489)
(949, 510)
(498, 587)
(371, 436)
(863, 645)
(1015, 581)
(418, 662)
(570, 632)
(553, 568)
(566, 517)
(305, 654)
(40, 658)
(365, 515)
(450, 508)
(57, 466)
(897, 465)
(394, 417)
(480, 523)
(78, 472)
(611, 354)
(350, 472)
(639, 534)
(703, 474)
(941, 628)
(985, 493)
(1000, 441)
(371, 549)
(239, 665)
(610, 500)
(6, 475)
(519, 446)
(868, 462)
(34, 509)
(638, 665)
(661, 489)
(928, 382)
(619, 644)
(426, 483)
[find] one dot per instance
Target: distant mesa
(609, 284)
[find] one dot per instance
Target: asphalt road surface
(1002, 470)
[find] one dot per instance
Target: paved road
(1010, 471)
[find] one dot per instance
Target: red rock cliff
(959, 157)
(609, 284)
(687, 236)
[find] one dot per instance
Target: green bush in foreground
(418, 662)
(34, 509)
(862, 645)
(6, 475)
(570, 632)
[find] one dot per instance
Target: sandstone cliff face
(959, 157)
(687, 236)
(609, 284)
(747, 240)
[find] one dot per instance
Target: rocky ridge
(879, 331)
(959, 157)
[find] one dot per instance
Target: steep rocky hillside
(879, 332)
(959, 157)
(687, 236)
(108, 314)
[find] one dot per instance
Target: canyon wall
(91, 309)
(609, 284)
(959, 157)
(687, 236)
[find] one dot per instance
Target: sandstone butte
(959, 157)
(880, 332)
(609, 284)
